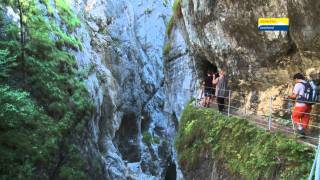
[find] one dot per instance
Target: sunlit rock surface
(261, 64)
(122, 50)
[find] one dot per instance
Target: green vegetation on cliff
(176, 8)
(167, 48)
(240, 147)
(43, 105)
(170, 25)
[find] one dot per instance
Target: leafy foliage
(6, 63)
(165, 3)
(166, 48)
(149, 138)
(28, 136)
(177, 8)
(243, 148)
(44, 106)
(66, 14)
(170, 25)
(147, 11)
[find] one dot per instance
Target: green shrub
(242, 147)
(6, 63)
(66, 14)
(170, 26)
(166, 48)
(149, 139)
(165, 3)
(177, 8)
(147, 11)
(156, 139)
(176, 14)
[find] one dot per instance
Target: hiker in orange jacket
(301, 112)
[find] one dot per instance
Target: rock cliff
(141, 78)
(260, 64)
(224, 34)
(123, 42)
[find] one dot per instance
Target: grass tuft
(170, 25)
(177, 8)
(167, 48)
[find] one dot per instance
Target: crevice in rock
(171, 171)
(126, 138)
(145, 121)
(175, 120)
(104, 124)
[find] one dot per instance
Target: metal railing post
(315, 162)
(196, 101)
(245, 106)
(229, 102)
(317, 175)
(314, 165)
(270, 116)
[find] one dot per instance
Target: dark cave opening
(127, 138)
(171, 173)
(204, 66)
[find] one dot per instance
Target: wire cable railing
(270, 120)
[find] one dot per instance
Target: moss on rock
(240, 147)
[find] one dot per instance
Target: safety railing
(315, 170)
(235, 104)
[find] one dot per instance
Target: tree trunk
(22, 43)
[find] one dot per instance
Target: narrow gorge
(95, 89)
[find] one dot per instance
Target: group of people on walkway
(214, 85)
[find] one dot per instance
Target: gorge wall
(132, 134)
(225, 34)
(118, 54)
(139, 94)
(260, 64)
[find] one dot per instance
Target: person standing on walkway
(221, 89)
(207, 85)
(214, 76)
(302, 109)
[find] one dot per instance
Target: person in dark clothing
(214, 76)
(207, 89)
(221, 89)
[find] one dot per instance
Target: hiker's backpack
(311, 93)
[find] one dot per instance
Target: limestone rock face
(180, 75)
(130, 132)
(261, 64)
